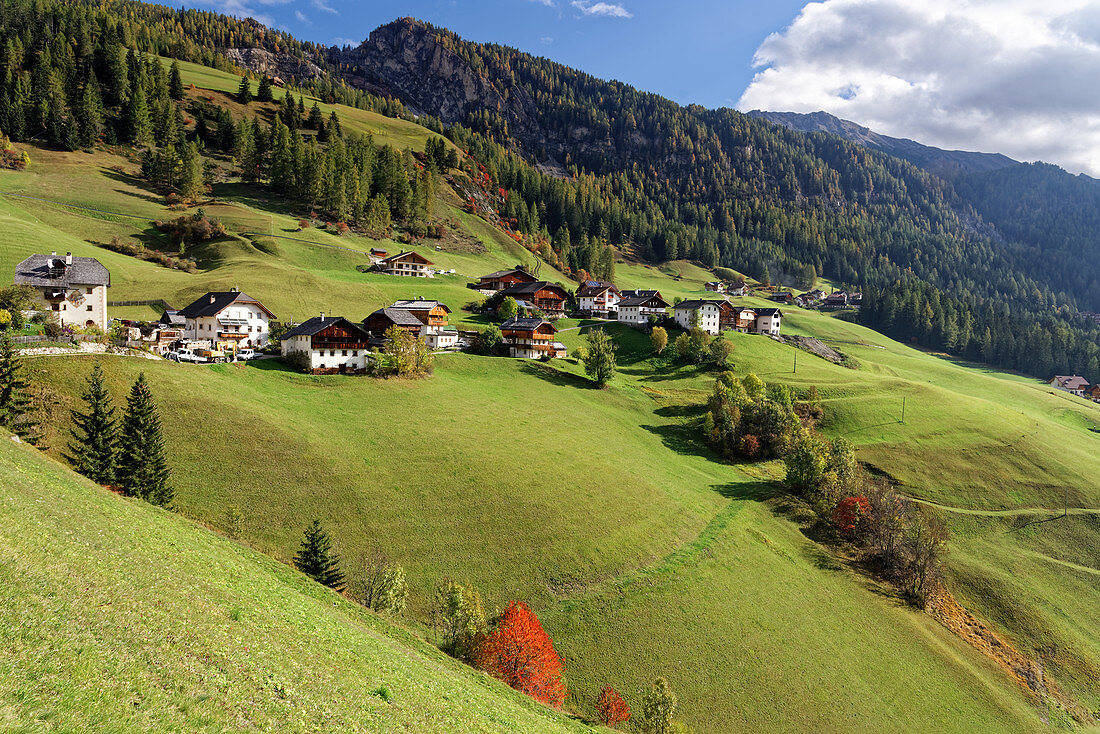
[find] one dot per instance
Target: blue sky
(691, 51)
(1007, 76)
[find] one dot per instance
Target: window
(56, 307)
(344, 353)
(355, 353)
(332, 353)
(89, 308)
(88, 291)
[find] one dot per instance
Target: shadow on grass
(689, 410)
(272, 365)
(131, 180)
(683, 439)
(256, 198)
(757, 491)
(556, 376)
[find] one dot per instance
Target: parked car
(246, 354)
(184, 355)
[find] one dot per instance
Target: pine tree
(263, 94)
(244, 91)
(138, 126)
(15, 403)
(89, 113)
(315, 121)
(143, 466)
(317, 559)
(95, 432)
(175, 82)
(334, 126)
(190, 180)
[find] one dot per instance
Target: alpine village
(423, 384)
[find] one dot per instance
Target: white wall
(92, 308)
(708, 318)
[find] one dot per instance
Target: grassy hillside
(642, 553)
(119, 617)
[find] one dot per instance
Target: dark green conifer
(175, 81)
(317, 559)
(95, 432)
(244, 91)
(15, 402)
(142, 464)
(263, 94)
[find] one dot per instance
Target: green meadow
(641, 551)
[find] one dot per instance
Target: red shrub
(342, 228)
(303, 224)
(850, 513)
(520, 653)
(750, 446)
(611, 708)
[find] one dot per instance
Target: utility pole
(902, 408)
(796, 361)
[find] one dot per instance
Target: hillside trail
(1015, 512)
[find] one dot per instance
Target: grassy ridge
(118, 617)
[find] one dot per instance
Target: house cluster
(729, 289)
(337, 345)
(529, 293)
(714, 317)
(1076, 385)
(408, 264)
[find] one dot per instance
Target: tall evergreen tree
(316, 120)
(334, 129)
(143, 466)
(244, 91)
(263, 94)
(175, 81)
(15, 403)
(191, 178)
(95, 432)
(317, 559)
(139, 127)
(89, 113)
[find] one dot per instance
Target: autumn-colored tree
(750, 446)
(520, 653)
(850, 513)
(658, 337)
(611, 708)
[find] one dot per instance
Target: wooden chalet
(433, 315)
(379, 322)
(531, 338)
(409, 264)
(334, 344)
(549, 298)
(502, 279)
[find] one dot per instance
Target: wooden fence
(154, 302)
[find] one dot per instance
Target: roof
(320, 323)
(502, 273)
(696, 303)
(36, 270)
(525, 323)
(526, 288)
(398, 316)
(636, 293)
(404, 255)
(595, 287)
(172, 317)
(212, 303)
(643, 300)
(1072, 382)
(419, 304)
(768, 312)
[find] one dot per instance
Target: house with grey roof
(704, 314)
(227, 316)
(335, 345)
(72, 289)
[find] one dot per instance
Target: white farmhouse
(768, 321)
(334, 344)
(704, 314)
(636, 307)
(228, 316)
(73, 289)
(598, 297)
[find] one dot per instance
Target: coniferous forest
(986, 268)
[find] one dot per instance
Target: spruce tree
(191, 172)
(244, 91)
(143, 467)
(95, 432)
(15, 403)
(89, 113)
(334, 126)
(175, 82)
(315, 121)
(138, 124)
(263, 94)
(317, 559)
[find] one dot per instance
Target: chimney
(212, 298)
(53, 254)
(322, 317)
(234, 290)
(68, 258)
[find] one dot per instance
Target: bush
(342, 228)
(196, 228)
(299, 360)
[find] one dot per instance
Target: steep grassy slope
(119, 617)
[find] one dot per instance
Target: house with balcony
(409, 264)
(230, 316)
(549, 298)
(432, 316)
(636, 310)
(768, 321)
(531, 338)
(598, 298)
(334, 344)
(704, 314)
(379, 322)
(1073, 384)
(72, 289)
(502, 279)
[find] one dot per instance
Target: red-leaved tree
(520, 653)
(611, 708)
(850, 513)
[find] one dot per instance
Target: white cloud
(321, 5)
(1010, 76)
(547, 3)
(546, 40)
(606, 9)
(302, 17)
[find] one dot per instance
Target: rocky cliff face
(947, 164)
(265, 62)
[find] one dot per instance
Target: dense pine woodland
(997, 279)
